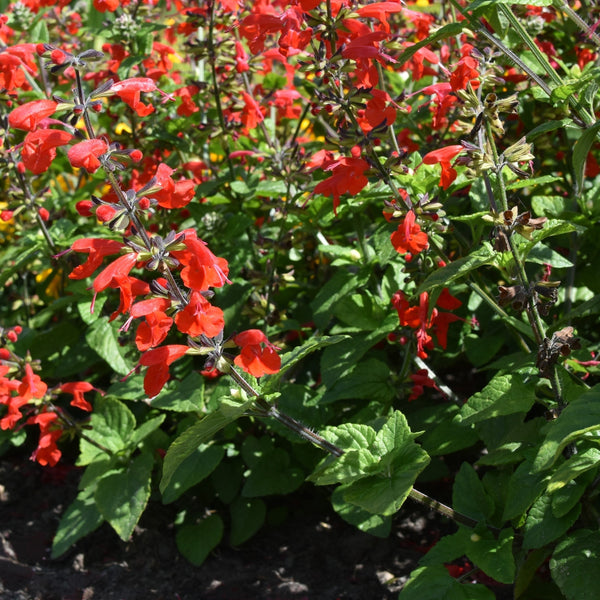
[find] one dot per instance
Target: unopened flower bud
(57, 56)
(83, 207)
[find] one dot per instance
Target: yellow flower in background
(7, 228)
(53, 289)
(122, 128)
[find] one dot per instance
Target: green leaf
(196, 541)
(580, 152)
(103, 338)
(469, 496)
(444, 432)
(385, 492)
(550, 206)
(578, 418)
(543, 255)
(368, 379)
(377, 469)
(482, 3)
(247, 517)
(122, 496)
(271, 189)
(272, 474)
(183, 396)
(193, 469)
(442, 33)
(573, 467)
(524, 488)
(84, 308)
(337, 288)
(356, 441)
(200, 433)
(361, 311)
(493, 556)
(38, 34)
(546, 127)
(337, 361)
(241, 188)
(503, 395)
(542, 527)
(575, 565)
(292, 358)
(564, 499)
(82, 517)
(457, 269)
(434, 583)
(111, 426)
(145, 429)
(529, 183)
(377, 525)
(22, 256)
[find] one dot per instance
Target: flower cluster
(425, 322)
(29, 401)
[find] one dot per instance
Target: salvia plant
(247, 245)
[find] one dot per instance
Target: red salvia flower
(46, 452)
(443, 156)
(409, 238)
(465, 72)
(158, 360)
(39, 148)
(77, 389)
(129, 91)
(251, 113)
(97, 249)
(421, 380)
(200, 317)
(31, 385)
(380, 11)
(201, 268)
(85, 154)
(258, 356)
(173, 194)
(347, 176)
(28, 116)
(106, 5)
(415, 317)
(12, 75)
(129, 289)
(116, 271)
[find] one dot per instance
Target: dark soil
(313, 554)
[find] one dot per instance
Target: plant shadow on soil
(313, 554)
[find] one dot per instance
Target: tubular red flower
(409, 238)
(28, 116)
(258, 356)
(129, 91)
(39, 148)
(77, 389)
(85, 154)
(97, 249)
(380, 11)
(46, 452)
(200, 317)
(117, 270)
(443, 156)
(158, 360)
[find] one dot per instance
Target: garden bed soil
(312, 554)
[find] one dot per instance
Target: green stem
(210, 43)
(443, 509)
(264, 409)
(580, 22)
